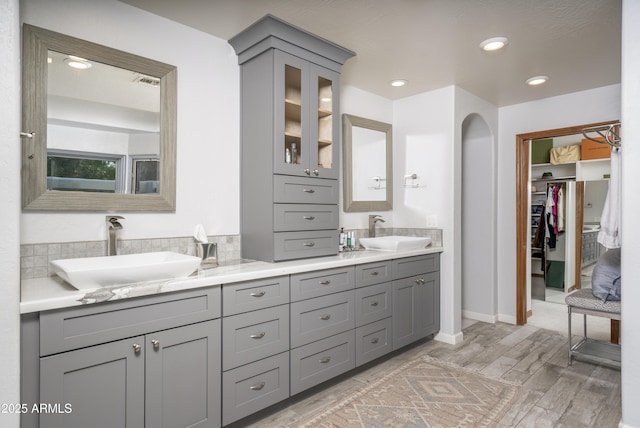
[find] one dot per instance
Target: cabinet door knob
(325, 282)
(309, 191)
(156, 344)
(374, 303)
(258, 335)
(309, 244)
(417, 281)
(325, 317)
(257, 386)
(324, 360)
(309, 217)
(375, 340)
(257, 294)
(316, 172)
(137, 348)
(307, 171)
(374, 273)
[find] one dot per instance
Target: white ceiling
(434, 43)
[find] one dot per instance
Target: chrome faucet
(373, 219)
(114, 227)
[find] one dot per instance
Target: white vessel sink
(395, 243)
(96, 272)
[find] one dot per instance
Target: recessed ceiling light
(398, 82)
(537, 80)
(77, 62)
(494, 44)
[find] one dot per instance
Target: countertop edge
(42, 294)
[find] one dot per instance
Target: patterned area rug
(423, 393)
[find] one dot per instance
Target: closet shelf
(568, 177)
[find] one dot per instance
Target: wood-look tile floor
(553, 394)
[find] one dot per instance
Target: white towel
(609, 234)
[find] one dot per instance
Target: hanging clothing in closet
(554, 213)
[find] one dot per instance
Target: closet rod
(609, 133)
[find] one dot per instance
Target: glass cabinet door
(306, 130)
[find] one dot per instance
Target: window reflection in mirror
(106, 117)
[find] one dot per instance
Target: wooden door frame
(522, 208)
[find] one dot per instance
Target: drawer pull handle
(307, 171)
(316, 172)
(374, 273)
(258, 335)
(374, 303)
(309, 244)
(325, 282)
(156, 344)
(137, 348)
(308, 217)
(422, 281)
(309, 191)
(324, 360)
(325, 317)
(375, 340)
(257, 294)
(257, 386)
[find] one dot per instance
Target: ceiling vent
(147, 80)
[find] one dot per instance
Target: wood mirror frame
(35, 196)
(351, 205)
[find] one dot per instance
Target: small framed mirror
(368, 164)
(99, 127)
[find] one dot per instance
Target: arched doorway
(479, 299)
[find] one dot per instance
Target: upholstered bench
(584, 302)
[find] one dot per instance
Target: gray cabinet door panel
(103, 385)
(251, 295)
(320, 361)
(321, 282)
(324, 316)
(411, 266)
(373, 341)
(373, 303)
(183, 377)
(72, 328)
(301, 245)
(405, 312)
(254, 387)
(304, 190)
(294, 217)
(430, 313)
(254, 335)
(373, 273)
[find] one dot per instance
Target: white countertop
(48, 293)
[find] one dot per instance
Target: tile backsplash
(35, 258)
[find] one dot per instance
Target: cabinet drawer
(252, 295)
(373, 303)
(304, 190)
(254, 335)
(321, 317)
(292, 217)
(254, 387)
(373, 273)
(301, 245)
(373, 341)
(321, 282)
(411, 266)
(320, 361)
(72, 328)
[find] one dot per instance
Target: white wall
(596, 105)
(630, 337)
(208, 119)
(10, 212)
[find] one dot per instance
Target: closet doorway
(523, 226)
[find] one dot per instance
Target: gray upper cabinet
(290, 127)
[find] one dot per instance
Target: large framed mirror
(368, 164)
(99, 127)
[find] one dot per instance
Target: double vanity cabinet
(212, 355)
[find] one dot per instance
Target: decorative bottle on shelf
(287, 155)
(294, 153)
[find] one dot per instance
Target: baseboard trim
(451, 339)
(509, 319)
(492, 319)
